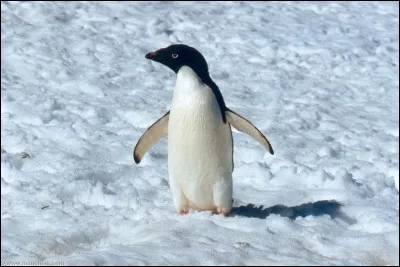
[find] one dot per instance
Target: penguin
(200, 141)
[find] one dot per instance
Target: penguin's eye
(174, 55)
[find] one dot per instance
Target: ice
(320, 80)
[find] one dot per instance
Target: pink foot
(183, 212)
(222, 211)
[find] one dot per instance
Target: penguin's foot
(222, 211)
(183, 212)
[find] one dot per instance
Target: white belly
(199, 149)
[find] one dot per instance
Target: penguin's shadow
(318, 208)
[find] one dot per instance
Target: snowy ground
(319, 79)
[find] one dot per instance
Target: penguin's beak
(154, 55)
(151, 55)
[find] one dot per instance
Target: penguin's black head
(178, 55)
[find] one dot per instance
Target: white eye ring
(174, 55)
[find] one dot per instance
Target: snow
(320, 80)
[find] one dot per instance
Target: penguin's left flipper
(243, 125)
(151, 136)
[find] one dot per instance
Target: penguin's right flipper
(151, 136)
(245, 126)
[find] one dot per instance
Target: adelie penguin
(198, 125)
